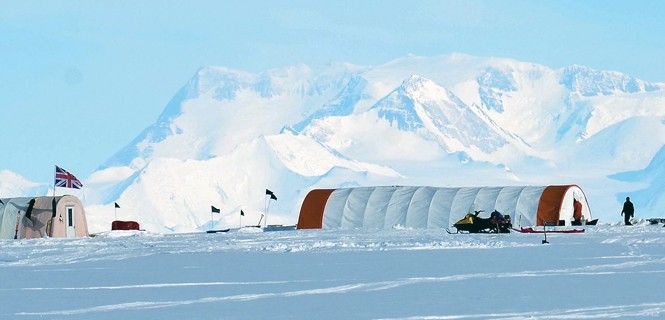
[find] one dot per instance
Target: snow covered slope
(14, 185)
(444, 121)
(628, 144)
(170, 194)
(651, 199)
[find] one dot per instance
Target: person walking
(628, 211)
(577, 212)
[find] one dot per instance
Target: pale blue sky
(80, 79)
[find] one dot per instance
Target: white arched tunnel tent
(434, 207)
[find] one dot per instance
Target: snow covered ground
(608, 272)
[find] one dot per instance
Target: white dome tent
(435, 207)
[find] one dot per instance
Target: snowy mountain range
(453, 120)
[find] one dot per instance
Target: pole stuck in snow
(18, 220)
(269, 196)
(213, 209)
(265, 223)
(266, 202)
(115, 210)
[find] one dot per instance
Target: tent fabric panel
(10, 214)
(398, 206)
(506, 201)
(354, 209)
(439, 209)
(462, 203)
(58, 225)
(311, 211)
(527, 205)
(486, 199)
(8, 222)
(41, 218)
(418, 211)
(377, 205)
(550, 203)
(332, 214)
(2, 216)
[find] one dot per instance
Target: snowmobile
(472, 223)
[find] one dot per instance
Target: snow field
(608, 272)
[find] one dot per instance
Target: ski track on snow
(366, 287)
(604, 312)
(167, 285)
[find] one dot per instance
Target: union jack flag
(64, 179)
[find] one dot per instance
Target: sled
(279, 227)
(125, 225)
(532, 230)
(588, 223)
(656, 220)
(216, 231)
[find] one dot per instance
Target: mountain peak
(424, 90)
(415, 80)
(417, 83)
(221, 82)
(400, 105)
(420, 103)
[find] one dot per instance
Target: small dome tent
(40, 217)
(434, 207)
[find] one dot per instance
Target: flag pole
(54, 173)
(240, 222)
(265, 210)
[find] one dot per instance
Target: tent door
(71, 224)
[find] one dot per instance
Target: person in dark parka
(628, 211)
(577, 211)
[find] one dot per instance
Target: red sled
(532, 230)
(124, 225)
